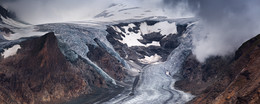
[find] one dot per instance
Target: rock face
(170, 41)
(107, 62)
(232, 80)
(149, 38)
(5, 13)
(165, 45)
(39, 73)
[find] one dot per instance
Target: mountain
(40, 73)
(81, 64)
(125, 54)
(232, 80)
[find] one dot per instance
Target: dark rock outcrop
(233, 80)
(5, 13)
(107, 62)
(149, 38)
(6, 30)
(170, 42)
(181, 28)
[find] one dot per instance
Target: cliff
(231, 80)
(39, 73)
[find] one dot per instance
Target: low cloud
(224, 24)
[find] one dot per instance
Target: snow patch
(150, 59)
(131, 38)
(10, 51)
(131, 25)
(165, 28)
(154, 43)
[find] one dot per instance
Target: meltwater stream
(156, 81)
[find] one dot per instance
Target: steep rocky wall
(39, 73)
(107, 62)
(232, 80)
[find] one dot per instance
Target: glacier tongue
(156, 84)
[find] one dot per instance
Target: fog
(224, 24)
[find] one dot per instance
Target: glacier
(76, 38)
(156, 80)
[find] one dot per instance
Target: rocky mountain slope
(155, 48)
(76, 66)
(231, 80)
(144, 47)
(132, 61)
(40, 73)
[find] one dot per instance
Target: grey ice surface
(155, 86)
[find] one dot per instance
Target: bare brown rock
(224, 80)
(107, 62)
(39, 74)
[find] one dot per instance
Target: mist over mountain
(129, 52)
(226, 24)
